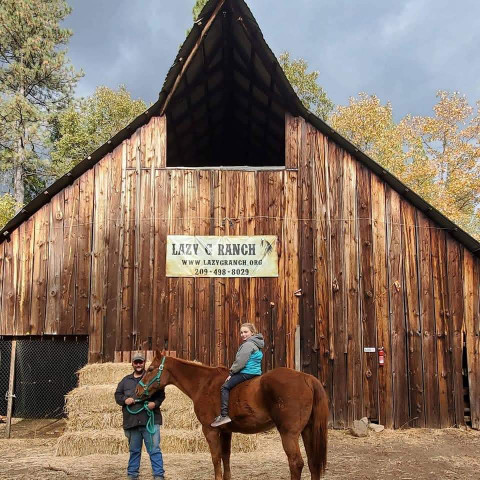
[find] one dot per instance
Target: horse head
(155, 377)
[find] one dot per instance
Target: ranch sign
(211, 256)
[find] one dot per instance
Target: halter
(154, 379)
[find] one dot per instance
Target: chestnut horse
(293, 402)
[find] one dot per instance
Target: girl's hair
(250, 326)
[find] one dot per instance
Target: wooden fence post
(10, 392)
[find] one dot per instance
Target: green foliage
(306, 85)
(89, 123)
(36, 81)
(197, 8)
(8, 207)
(437, 156)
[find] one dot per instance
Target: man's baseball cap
(138, 356)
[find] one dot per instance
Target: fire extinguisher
(381, 356)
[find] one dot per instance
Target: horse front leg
(226, 442)
(213, 439)
(292, 449)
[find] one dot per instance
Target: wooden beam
(198, 43)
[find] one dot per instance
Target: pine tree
(36, 82)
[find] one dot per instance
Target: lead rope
(151, 416)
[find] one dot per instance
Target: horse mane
(219, 369)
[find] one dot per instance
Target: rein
(151, 416)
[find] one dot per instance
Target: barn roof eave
(292, 101)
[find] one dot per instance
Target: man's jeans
(136, 436)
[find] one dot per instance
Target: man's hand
(227, 379)
(129, 401)
(151, 405)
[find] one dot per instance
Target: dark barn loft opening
(227, 109)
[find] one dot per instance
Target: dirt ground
(391, 455)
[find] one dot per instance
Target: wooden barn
(367, 270)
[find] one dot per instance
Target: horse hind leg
(307, 435)
(292, 449)
(226, 442)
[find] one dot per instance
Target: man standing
(135, 424)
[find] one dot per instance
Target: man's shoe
(221, 420)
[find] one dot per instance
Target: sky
(403, 51)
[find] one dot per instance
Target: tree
(438, 157)
(89, 123)
(306, 85)
(36, 81)
(8, 207)
(448, 143)
(197, 8)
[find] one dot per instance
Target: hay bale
(103, 373)
(94, 407)
(113, 441)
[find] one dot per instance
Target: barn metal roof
(226, 92)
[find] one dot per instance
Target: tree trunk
(18, 185)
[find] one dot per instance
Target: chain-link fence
(5, 353)
(44, 372)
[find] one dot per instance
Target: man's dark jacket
(126, 389)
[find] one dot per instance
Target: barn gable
(225, 98)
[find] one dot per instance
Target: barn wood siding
(358, 267)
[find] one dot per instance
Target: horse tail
(319, 422)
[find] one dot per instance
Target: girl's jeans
(228, 385)
(136, 436)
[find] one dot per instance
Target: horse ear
(158, 353)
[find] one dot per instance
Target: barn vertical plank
(221, 310)
(291, 140)
(160, 141)
(472, 320)
(469, 326)
(385, 385)
(175, 285)
(367, 294)
(413, 318)
(84, 247)
(144, 257)
(24, 282)
(250, 212)
(277, 312)
(116, 185)
(455, 318)
(442, 328)
(55, 265)
(353, 331)
(39, 282)
(10, 273)
(305, 230)
(322, 261)
(160, 292)
(232, 213)
(427, 311)
(188, 331)
(128, 253)
(397, 311)
(336, 173)
(99, 260)
(264, 287)
(70, 233)
(202, 285)
(291, 269)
